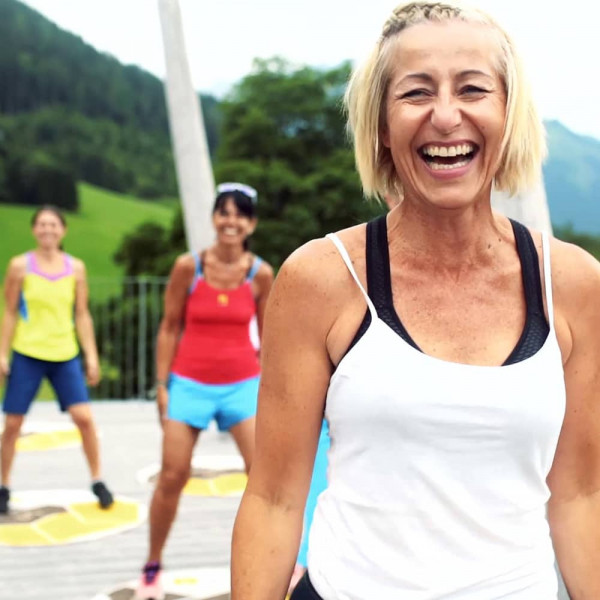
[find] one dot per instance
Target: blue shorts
(197, 404)
(26, 374)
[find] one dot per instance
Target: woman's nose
(446, 115)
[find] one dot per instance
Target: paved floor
(130, 442)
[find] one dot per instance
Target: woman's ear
(252, 227)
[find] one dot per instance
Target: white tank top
(437, 472)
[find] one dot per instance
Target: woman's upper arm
(176, 293)
(576, 468)
(264, 282)
(295, 377)
(13, 283)
(81, 286)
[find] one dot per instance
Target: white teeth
(444, 167)
(459, 150)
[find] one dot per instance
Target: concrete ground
(130, 439)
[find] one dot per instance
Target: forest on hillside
(67, 110)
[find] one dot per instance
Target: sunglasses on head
(231, 186)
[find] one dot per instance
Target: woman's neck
(48, 254)
(227, 254)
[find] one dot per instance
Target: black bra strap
(379, 283)
(530, 268)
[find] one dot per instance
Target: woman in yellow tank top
(45, 315)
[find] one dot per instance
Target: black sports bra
(379, 285)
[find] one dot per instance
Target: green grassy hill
(93, 234)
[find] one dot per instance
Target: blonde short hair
(523, 144)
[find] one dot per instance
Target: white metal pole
(190, 148)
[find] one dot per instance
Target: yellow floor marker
(78, 518)
(37, 436)
(49, 441)
(217, 476)
(231, 484)
(210, 583)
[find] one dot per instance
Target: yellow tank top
(45, 329)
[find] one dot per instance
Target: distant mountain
(572, 178)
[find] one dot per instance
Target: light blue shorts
(197, 404)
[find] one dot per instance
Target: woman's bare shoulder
(315, 285)
(319, 264)
(265, 271)
(185, 263)
(576, 281)
(17, 265)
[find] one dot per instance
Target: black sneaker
(4, 498)
(105, 498)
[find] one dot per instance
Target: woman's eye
(473, 89)
(415, 93)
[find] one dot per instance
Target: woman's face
(48, 230)
(232, 226)
(445, 112)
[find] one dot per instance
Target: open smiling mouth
(445, 158)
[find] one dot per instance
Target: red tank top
(215, 346)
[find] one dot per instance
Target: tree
(283, 131)
(38, 180)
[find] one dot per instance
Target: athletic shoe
(105, 498)
(150, 586)
(4, 498)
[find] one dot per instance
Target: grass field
(94, 233)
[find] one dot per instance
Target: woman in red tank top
(207, 358)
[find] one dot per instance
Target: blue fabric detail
(198, 263)
(254, 269)
(23, 313)
(197, 272)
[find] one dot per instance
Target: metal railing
(126, 314)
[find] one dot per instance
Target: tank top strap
(198, 273)
(346, 258)
(29, 262)
(254, 268)
(68, 264)
(530, 268)
(548, 279)
(198, 265)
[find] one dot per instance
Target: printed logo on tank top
(222, 299)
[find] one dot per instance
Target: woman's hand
(4, 368)
(92, 370)
(162, 402)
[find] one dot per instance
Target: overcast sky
(561, 46)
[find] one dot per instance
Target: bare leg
(243, 434)
(81, 414)
(12, 428)
(178, 444)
